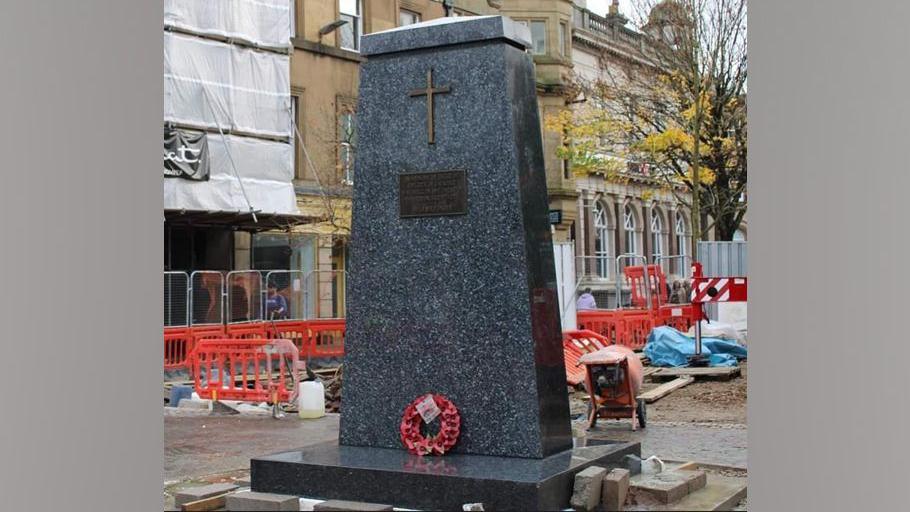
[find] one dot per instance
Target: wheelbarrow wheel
(641, 412)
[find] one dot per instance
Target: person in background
(586, 301)
(276, 305)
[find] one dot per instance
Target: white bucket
(311, 403)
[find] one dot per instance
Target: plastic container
(311, 403)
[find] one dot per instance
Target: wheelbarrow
(613, 377)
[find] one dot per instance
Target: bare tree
(680, 105)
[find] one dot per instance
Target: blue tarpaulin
(668, 347)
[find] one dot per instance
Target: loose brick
(588, 484)
(261, 501)
(200, 493)
(615, 489)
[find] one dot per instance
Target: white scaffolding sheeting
(265, 23)
(254, 158)
(250, 89)
(265, 167)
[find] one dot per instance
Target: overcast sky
(601, 7)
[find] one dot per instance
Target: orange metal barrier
(241, 369)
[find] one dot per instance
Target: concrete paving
(722, 444)
(200, 446)
(205, 445)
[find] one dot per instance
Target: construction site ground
(703, 422)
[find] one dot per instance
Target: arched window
(657, 233)
(682, 241)
(629, 226)
(603, 241)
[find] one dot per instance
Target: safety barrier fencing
(316, 338)
(249, 370)
(576, 344)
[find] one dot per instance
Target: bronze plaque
(430, 194)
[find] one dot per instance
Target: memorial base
(395, 477)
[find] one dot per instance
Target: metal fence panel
(244, 296)
(207, 297)
(176, 299)
(722, 259)
(324, 294)
(288, 284)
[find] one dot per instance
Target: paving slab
(668, 486)
(261, 501)
(720, 493)
(341, 505)
(200, 493)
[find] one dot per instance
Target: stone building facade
(604, 219)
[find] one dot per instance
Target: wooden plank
(724, 372)
(649, 370)
(665, 389)
(207, 504)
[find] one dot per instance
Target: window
(296, 17)
(738, 236)
(347, 144)
(657, 228)
(682, 241)
(603, 240)
(628, 224)
(563, 42)
(406, 17)
(295, 142)
(538, 35)
(351, 31)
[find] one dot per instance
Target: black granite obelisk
(451, 286)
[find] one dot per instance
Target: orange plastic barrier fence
(247, 330)
(232, 369)
(678, 316)
(326, 337)
(576, 344)
(636, 326)
(635, 275)
(178, 343)
(294, 330)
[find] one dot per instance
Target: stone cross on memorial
(451, 287)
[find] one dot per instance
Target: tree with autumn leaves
(678, 108)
